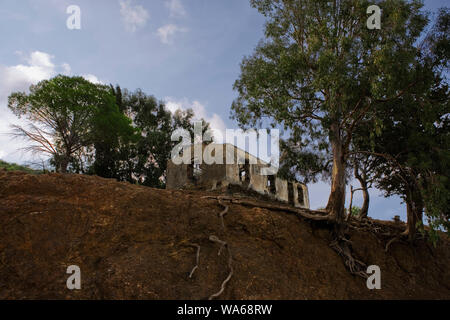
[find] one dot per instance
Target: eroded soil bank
(134, 242)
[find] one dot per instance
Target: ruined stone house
(244, 170)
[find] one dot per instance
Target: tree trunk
(365, 207)
(63, 165)
(411, 225)
(349, 214)
(336, 201)
(362, 181)
(414, 211)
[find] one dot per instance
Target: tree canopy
(63, 113)
(322, 74)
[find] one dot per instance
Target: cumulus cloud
(133, 16)
(176, 8)
(167, 32)
(216, 123)
(19, 77)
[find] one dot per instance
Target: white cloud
(92, 78)
(19, 77)
(216, 123)
(66, 68)
(134, 16)
(176, 8)
(42, 59)
(167, 32)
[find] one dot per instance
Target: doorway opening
(271, 184)
(291, 193)
(193, 172)
(300, 195)
(244, 172)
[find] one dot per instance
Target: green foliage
(298, 161)
(112, 135)
(152, 150)
(412, 146)
(436, 196)
(319, 59)
(139, 155)
(15, 167)
(355, 211)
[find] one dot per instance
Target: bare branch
(37, 136)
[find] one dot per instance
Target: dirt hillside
(134, 242)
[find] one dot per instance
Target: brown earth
(134, 242)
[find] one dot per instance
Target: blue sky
(186, 52)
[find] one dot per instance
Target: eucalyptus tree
(319, 71)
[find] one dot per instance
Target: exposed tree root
(356, 267)
(391, 242)
(230, 265)
(223, 244)
(305, 213)
(379, 230)
(401, 237)
(364, 224)
(341, 245)
(224, 212)
(197, 259)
